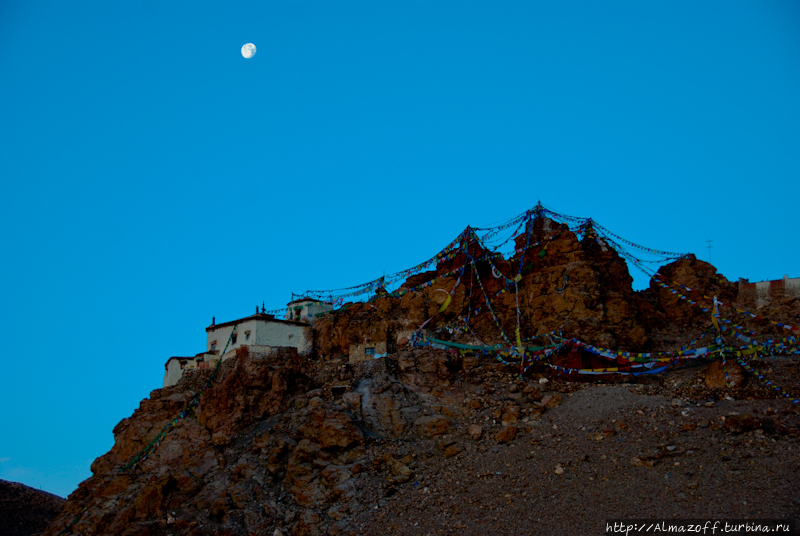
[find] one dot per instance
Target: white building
(261, 333)
(306, 309)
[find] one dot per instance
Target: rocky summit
(438, 439)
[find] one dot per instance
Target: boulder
(432, 425)
(475, 432)
(738, 424)
(510, 415)
(715, 375)
(507, 434)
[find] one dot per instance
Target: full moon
(249, 50)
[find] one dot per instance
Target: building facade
(261, 333)
(760, 293)
(306, 309)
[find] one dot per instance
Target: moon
(248, 50)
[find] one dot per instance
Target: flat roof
(176, 357)
(260, 316)
(302, 300)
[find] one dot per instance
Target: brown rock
(510, 415)
(507, 434)
(353, 401)
(715, 375)
(397, 467)
(536, 411)
(307, 524)
(432, 425)
(452, 450)
(551, 401)
(738, 424)
(388, 413)
(698, 275)
(603, 435)
(329, 428)
(475, 432)
(532, 391)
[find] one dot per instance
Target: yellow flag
(446, 303)
(714, 319)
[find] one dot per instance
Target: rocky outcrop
(580, 288)
(264, 450)
(662, 307)
(226, 467)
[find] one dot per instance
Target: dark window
(213, 346)
(233, 339)
(370, 351)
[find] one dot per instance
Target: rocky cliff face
(264, 450)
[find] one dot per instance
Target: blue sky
(152, 178)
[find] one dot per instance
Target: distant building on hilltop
(262, 333)
(305, 309)
(761, 293)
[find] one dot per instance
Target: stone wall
(358, 352)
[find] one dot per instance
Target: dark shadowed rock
(738, 424)
(24, 510)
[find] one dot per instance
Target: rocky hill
(25, 511)
(429, 441)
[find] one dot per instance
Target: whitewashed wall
(221, 335)
(284, 334)
(263, 332)
(265, 335)
(174, 372)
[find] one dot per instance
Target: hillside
(469, 427)
(24, 510)
(427, 442)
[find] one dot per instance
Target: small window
(213, 346)
(247, 335)
(369, 351)
(233, 339)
